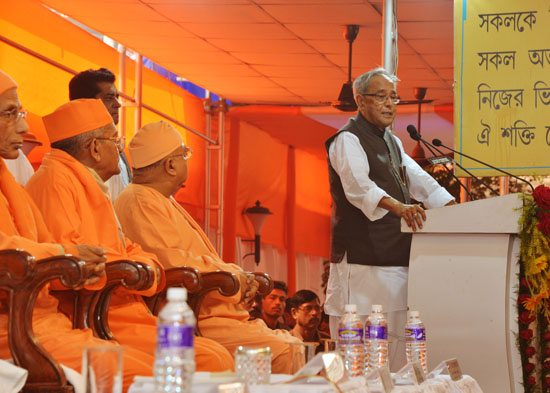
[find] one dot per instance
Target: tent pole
(389, 37)
(207, 164)
(222, 109)
(291, 219)
(122, 88)
(138, 90)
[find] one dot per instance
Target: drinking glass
(102, 369)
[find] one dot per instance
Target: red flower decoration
(526, 317)
(546, 336)
(522, 298)
(529, 367)
(546, 365)
(531, 381)
(527, 334)
(542, 197)
(523, 282)
(544, 222)
(546, 381)
(530, 351)
(547, 352)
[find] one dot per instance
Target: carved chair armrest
(265, 283)
(132, 275)
(184, 276)
(23, 278)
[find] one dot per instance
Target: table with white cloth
(204, 382)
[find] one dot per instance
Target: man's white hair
(361, 83)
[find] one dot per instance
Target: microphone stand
(469, 173)
(437, 142)
(415, 135)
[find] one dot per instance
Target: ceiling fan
(346, 101)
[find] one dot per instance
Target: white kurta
(20, 168)
(366, 285)
(118, 183)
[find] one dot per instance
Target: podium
(462, 279)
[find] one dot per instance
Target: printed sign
(502, 86)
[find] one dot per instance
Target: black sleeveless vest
(380, 242)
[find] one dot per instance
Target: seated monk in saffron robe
(70, 191)
(22, 227)
(151, 216)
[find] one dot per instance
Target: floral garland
(533, 301)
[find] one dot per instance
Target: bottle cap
(350, 308)
(177, 294)
(415, 314)
(376, 308)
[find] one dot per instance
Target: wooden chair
(22, 277)
(226, 283)
(186, 277)
(197, 285)
(265, 283)
(90, 308)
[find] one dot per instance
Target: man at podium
(372, 182)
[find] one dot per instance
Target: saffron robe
(162, 226)
(77, 209)
(22, 226)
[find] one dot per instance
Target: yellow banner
(502, 90)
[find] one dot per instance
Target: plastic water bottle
(415, 333)
(350, 341)
(376, 339)
(175, 356)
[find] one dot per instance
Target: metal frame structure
(139, 105)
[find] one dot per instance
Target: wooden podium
(462, 279)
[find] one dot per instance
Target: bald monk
(150, 215)
(70, 191)
(22, 227)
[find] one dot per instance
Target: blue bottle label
(376, 332)
(415, 334)
(350, 335)
(175, 337)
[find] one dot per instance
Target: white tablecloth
(208, 383)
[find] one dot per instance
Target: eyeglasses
(14, 115)
(381, 98)
(118, 141)
(309, 309)
(187, 153)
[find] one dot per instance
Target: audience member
(101, 84)
(306, 310)
(151, 216)
(272, 306)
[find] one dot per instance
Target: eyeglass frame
(182, 155)
(395, 100)
(318, 308)
(15, 115)
(118, 141)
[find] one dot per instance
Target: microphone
(437, 142)
(414, 134)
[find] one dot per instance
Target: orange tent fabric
(256, 158)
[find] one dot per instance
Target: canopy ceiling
(277, 51)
